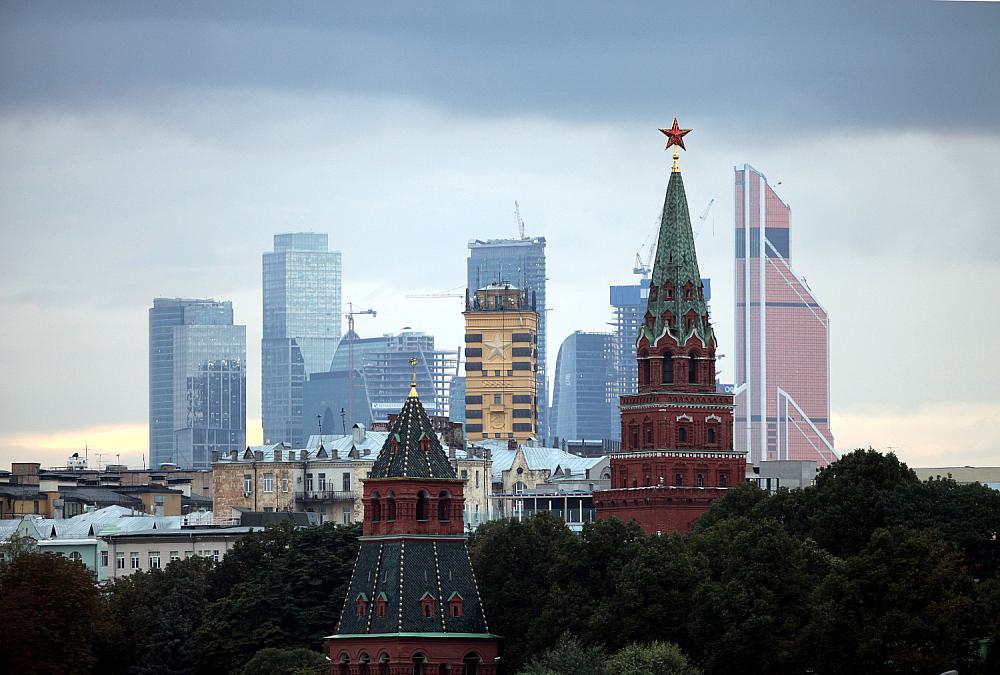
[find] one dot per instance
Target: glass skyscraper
(197, 381)
(302, 314)
(521, 263)
(782, 336)
(584, 398)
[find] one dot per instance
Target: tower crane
(518, 220)
(351, 339)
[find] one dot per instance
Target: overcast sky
(153, 149)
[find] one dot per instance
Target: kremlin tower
(677, 453)
(413, 605)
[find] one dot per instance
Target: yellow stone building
(501, 360)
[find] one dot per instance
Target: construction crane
(517, 219)
(644, 267)
(352, 337)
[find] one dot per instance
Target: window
(497, 399)
(175, 555)
(247, 483)
(477, 477)
(376, 508)
(75, 556)
(427, 606)
(496, 373)
(692, 369)
(644, 371)
(268, 482)
(682, 434)
(284, 483)
(474, 399)
(347, 517)
(521, 413)
(322, 482)
(188, 554)
(422, 505)
(309, 482)
(723, 479)
(154, 560)
(521, 398)
(700, 480)
(418, 664)
(119, 561)
(470, 664)
(455, 605)
(444, 507)
(104, 558)
(380, 604)
(668, 368)
(711, 435)
(346, 481)
(679, 479)
(135, 560)
(215, 556)
(362, 605)
(473, 337)
(648, 433)
(390, 507)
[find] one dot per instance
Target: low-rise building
(984, 475)
(143, 550)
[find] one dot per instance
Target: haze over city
(153, 151)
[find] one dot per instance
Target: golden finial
(676, 168)
(413, 382)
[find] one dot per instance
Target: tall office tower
(782, 357)
(521, 263)
(584, 398)
(501, 363)
(456, 400)
(301, 328)
(197, 381)
(380, 380)
(629, 306)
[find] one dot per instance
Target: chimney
(512, 444)
(215, 456)
(358, 432)
(451, 452)
(277, 455)
(234, 455)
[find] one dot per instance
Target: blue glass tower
(302, 282)
(197, 381)
(584, 400)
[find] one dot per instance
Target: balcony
(324, 496)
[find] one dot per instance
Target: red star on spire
(675, 135)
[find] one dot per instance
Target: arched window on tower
(682, 435)
(711, 435)
(419, 660)
(692, 368)
(344, 665)
(376, 504)
(470, 664)
(422, 505)
(444, 506)
(390, 506)
(365, 663)
(668, 368)
(644, 371)
(383, 664)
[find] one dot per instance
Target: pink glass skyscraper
(782, 335)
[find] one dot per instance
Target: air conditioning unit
(246, 494)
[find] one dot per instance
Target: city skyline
(112, 171)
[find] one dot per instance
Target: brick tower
(677, 453)
(413, 605)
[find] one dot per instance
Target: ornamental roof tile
(412, 449)
(676, 266)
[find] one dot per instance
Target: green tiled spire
(412, 449)
(676, 264)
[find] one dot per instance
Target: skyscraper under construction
(782, 335)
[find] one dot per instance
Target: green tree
(17, 546)
(903, 605)
(294, 661)
(153, 615)
(516, 566)
(753, 599)
(569, 656)
(662, 658)
(52, 612)
(283, 588)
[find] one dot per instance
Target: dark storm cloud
(806, 66)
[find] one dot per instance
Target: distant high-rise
(521, 263)
(782, 356)
(584, 397)
(501, 354)
(302, 281)
(629, 302)
(381, 379)
(197, 381)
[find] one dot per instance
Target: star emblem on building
(498, 348)
(675, 135)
